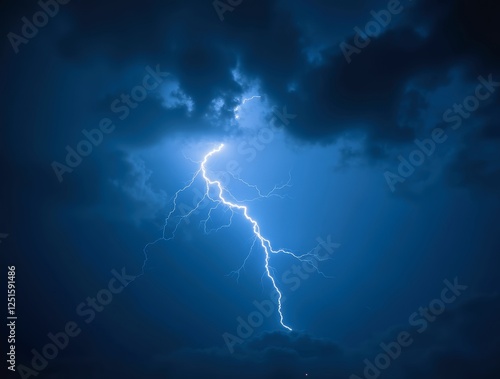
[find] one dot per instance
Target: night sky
(362, 133)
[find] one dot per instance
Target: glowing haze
(220, 198)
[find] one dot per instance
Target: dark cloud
(459, 344)
(369, 92)
(266, 41)
(68, 235)
(443, 350)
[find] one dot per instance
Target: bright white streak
(310, 257)
(266, 245)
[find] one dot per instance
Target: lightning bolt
(222, 198)
(237, 109)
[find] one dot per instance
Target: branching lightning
(219, 196)
(237, 109)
